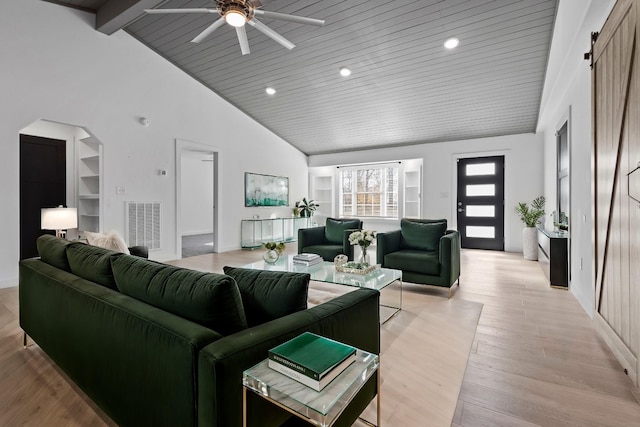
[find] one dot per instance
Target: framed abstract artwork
(265, 190)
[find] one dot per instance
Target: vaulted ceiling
(405, 87)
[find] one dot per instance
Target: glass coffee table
(385, 280)
(319, 408)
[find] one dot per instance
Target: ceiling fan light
(235, 17)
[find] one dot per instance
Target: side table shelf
(255, 232)
(321, 408)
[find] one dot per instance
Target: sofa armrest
(141, 251)
(449, 255)
(352, 318)
(387, 243)
(309, 237)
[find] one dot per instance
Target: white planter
(530, 243)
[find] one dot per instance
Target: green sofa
(157, 345)
(425, 251)
(329, 240)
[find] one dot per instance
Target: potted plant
(307, 208)
(530, 215)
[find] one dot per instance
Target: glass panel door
(480, 202)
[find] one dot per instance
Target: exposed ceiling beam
(116, 14)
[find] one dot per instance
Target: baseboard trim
(9, 283)
(617, 346)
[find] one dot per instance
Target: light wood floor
(535, 359)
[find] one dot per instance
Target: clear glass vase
(364, 256)
(271, 256)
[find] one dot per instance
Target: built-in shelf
(322, 193)
(89, 188)
(412, 194)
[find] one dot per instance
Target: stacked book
(311, 359)
(307, 260)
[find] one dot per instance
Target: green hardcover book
(311, 354)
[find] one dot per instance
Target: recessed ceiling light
(345, 72)
(270, 91)
(451, 43)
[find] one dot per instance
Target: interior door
(480, 202)
(616, 152)
(42, 185)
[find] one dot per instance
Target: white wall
(197, 194)
(568, 88)
(523, 174)
(60, 69)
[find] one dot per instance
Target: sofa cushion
(112, 241)
(422, 236)
(209, 299)
(92, 263)
(415, 261)
(53, 251)
(269, 295)
(334, 229)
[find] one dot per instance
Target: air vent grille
(143, 224)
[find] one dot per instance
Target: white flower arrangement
(362, 238)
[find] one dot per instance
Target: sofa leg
(24, 339)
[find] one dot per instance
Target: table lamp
(59, 219)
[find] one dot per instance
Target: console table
(553, 256)
(255, 232)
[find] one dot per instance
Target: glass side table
(321, 408)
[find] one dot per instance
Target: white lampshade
(59, 218)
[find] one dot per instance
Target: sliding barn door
(616, 152)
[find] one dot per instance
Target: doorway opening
(196, 182)
(60, 164)
(480, 202)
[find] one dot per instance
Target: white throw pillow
(112, 241)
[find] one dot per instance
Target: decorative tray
(356, 268)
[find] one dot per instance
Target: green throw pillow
(335, 228)
(53, 251)
(209, 299)
(269, 295)
(422, 236)
(92, 263)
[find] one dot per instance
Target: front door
(42, 185)
(480, 202)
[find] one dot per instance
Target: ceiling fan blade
(242, 39)
(210, 29)
(158, 11)
(270, 33)
(289, 18)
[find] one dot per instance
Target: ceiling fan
(239, 12)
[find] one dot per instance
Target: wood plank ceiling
(405, 87)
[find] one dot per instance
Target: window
(369, 190)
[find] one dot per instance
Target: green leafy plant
(275, 246)
(531, 215)
(560, 220)
(307, 208)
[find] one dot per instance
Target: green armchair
(329, 240)
(425, 251)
